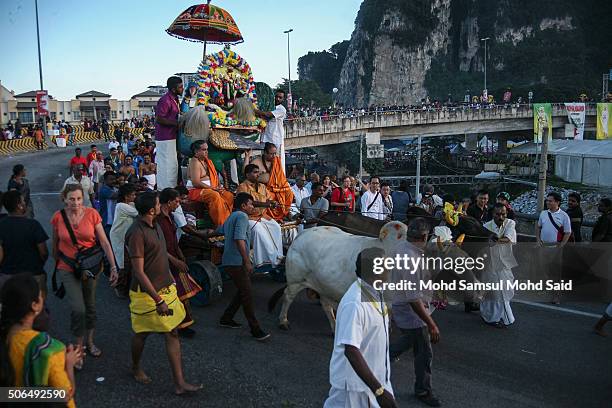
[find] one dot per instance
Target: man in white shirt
(495, 308)
(552, 233)
(554, 225)
(371, 201)
(275, 130)
(300, 192)
(359, 370)
(85, 182)
(114, 144)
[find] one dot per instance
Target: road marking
(558, 308)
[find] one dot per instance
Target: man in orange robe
(203, 185)
(272, 174)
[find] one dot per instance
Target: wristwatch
(380, 391)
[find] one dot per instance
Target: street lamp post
(290, 96)
(485, 61)
(44, 118)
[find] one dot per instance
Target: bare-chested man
(148, 170)
(128, 168)
(272, 174)
(204, 184)
(264, 162)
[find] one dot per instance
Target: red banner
(42, 103)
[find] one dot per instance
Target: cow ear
(459, 240)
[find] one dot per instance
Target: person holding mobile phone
(154, 303)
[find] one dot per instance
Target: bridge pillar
(471, 141)
(502, 144)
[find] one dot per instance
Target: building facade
(92, 105)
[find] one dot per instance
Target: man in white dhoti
(359, 370)
(266, 233)
(495, 308)
(166, 131)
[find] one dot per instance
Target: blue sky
(121, 47)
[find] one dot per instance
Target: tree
(347, 154)
(308, 91)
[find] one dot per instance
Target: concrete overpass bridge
(500, 121)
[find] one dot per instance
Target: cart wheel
(207, 275)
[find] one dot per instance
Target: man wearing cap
(503, 198)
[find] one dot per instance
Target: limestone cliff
(404, 50)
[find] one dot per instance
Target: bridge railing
(306, 126)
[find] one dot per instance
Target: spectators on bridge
(19, 182)
(27, 353)
(80, 286)
(85, 182)
(23, 241)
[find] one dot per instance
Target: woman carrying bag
(79, 246)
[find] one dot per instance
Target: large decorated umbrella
(206, 23)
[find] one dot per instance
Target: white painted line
(558, 308)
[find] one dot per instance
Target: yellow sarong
(144, 312)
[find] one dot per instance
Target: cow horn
(460, 239)
(439, 243)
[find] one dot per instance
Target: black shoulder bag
(373, 201)
(88, 261)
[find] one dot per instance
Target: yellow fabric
(451, 216)
(144, 312)
(58, 378)
(259, 193)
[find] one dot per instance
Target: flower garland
(225, 68)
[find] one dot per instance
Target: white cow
(323, 259)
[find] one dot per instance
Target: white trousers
(267, 242)
(349, 399)
(167, 164)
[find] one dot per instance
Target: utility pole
(361, 157)
(42, 87)
(290, 97)
(418, 169)
(485, 61)
(542, 173)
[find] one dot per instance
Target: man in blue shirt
(237, 263)
(108, 200)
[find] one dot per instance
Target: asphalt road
(548, 358)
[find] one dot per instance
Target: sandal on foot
(93, 351)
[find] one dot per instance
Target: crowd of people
(120, 220)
